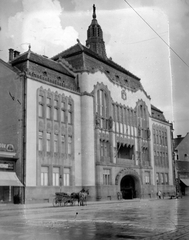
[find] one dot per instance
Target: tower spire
(95, 36)
(94, 11)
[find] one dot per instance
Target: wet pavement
(125, 219)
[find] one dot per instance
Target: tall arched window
(102, 108)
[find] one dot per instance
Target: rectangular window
(63, 144)
(63, 115)
(106, 176)
(56, 114)
(101, 102)
(48, 101)
(162, 178)
(157, 178)
(56, 103)
(63, 105)
(48, 112)
(166, 178)
(147, 177)
(69, 117)
(69, 145)
(40, 98)
(44, 176)
(40, 143)
(66, 177)
(48, 142)
(56, 176)
(101, 148)
(40, 110)
(55, 143)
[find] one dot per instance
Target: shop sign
(6, 147)
(7, 165)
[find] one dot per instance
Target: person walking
(159, 194)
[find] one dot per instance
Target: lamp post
(60, 183)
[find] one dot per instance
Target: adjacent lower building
(83, 121)
(181, 153)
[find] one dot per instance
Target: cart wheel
(56, 203)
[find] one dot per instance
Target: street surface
(124, 219)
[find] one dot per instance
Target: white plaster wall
(87, 136)
(31, 131)
(153, 178)
(88, 80)
(169, 146)
(170, 155)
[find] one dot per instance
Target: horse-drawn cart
(62, 199)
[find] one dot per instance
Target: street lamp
(60, 182)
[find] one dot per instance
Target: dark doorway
(127, 186)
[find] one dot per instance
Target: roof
(78, 49)
(14, 69)
(157, 114)
(43, 61)
(182, 166)
(177, 141)
(155, 108)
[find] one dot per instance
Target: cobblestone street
(125, 219)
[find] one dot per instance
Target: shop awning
(9, 179)
(185, 181)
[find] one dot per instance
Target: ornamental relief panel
(56, 129)
(70, 130)
(41, 126)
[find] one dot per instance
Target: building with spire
(87, 122)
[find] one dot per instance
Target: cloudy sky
(137, 38)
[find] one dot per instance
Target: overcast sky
(51, 26)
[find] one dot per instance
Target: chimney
(16, 54)
(11, 54)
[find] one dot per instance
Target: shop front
(9, 182)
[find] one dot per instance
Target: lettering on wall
(6, 147)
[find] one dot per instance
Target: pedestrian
(159, 194)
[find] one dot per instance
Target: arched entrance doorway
(127, 187)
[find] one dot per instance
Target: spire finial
(94, 11)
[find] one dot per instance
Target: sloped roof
(177, 141)
(78, 49)
(157, 114)
(155, 108)
(41, 60)
(182, 166)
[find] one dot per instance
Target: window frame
(44, 176)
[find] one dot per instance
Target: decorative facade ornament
(123, 95)
(139, 130)
(110, 123)
(148, 133)
(97, 120)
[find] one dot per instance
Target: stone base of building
(98, 193)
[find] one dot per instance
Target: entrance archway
(127, 187)
(129, 183)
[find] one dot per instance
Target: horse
(75, 196)
(83, 196)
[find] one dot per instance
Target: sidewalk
(11, 206)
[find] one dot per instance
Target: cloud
(40, 25)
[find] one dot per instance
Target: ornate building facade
(88, 122)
